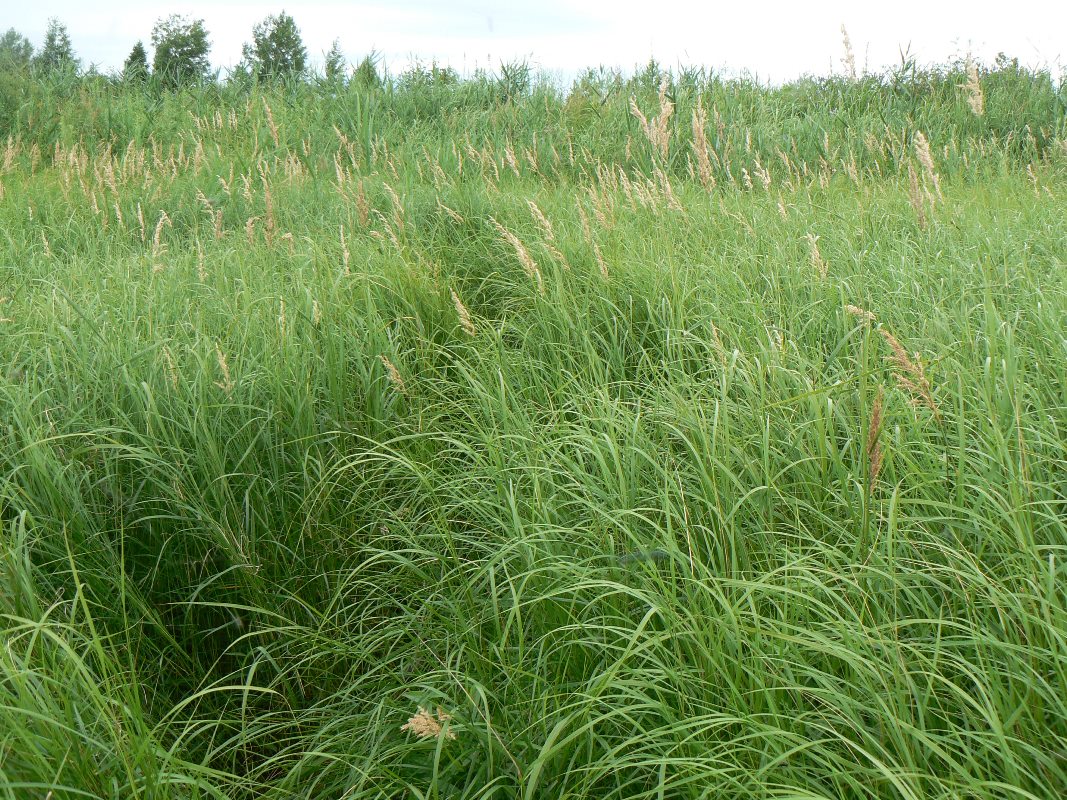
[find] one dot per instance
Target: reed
(462, 437)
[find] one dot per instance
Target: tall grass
(668, 437)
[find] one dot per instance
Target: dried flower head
(915, 196)
(849, 60)
(601, 264)
(922, 152)
(973, 86)
(428, 726)
(701, 147)
(861, 313)
(817, 261)
(541, 220)
(394, 374)
(911, 375)
(528, 264)
(465, 320)
(226, 384)
(657, 130)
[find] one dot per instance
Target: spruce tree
(136, 66)
(57, 52)
(335, 63)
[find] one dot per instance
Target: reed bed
(666, 437)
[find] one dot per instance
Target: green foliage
(516, 79)
(57, 52)
(135, 68)
(277, 49)
(366, 74)
(15, 50)
(181, 51)
(335, 66)
(298, 440)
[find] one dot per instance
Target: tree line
(180, 53)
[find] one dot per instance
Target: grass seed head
(922, 152)
(701, 148)
(529, 266)
(915, 197)
(817, 261)
(541, 220)
(861, 313)
(464, 315)
(426, 725)
(394, 374)
(849, 61)
(226, 384)
(911, 375)
(973, 87)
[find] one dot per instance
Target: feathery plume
(861, 313)
(817, 261)
(600, 261)
(701, 148)
(528, 264)
(911, 375)
(270, 122)
(975, 97)
(158, 247)
(657, 130)
(915, 196)
(455, 215)
(427, 726)
(268, 200)
(850, 57)
(465, 320)
(172, 371)
(394, 374)
(541, 220)
(250, 230)
(226, 384)
(922, 152)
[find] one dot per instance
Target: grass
(459, 440)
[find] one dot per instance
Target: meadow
(666, 436)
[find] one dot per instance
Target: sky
(772, 41)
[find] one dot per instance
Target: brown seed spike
(911, 375)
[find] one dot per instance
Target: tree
(15, 50)
(276, 48)
(136, 66)
(335, 63)
(57, 53)
(181, 50)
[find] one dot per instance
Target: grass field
(680, 439)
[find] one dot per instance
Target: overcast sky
(773, 40)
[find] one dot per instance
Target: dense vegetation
(669, 437)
